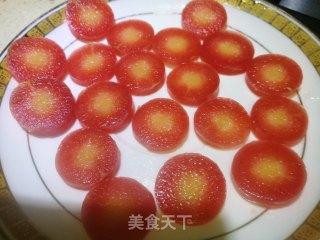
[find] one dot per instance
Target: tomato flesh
(107, 209)
(268, 174)
(228, 52)
(92, 63)
(279, 119)
(176, 46)
(130, 36)
(86, 156)
(43, 108)
(222, 123)
(160, 125)
(273, 74)
(204, 17)
(89, 20)
(105, 105)
(36, 58)
(143, 73)
(193, 83)
(190, 184)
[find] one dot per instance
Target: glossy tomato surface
(268, 174)
(190, 184)
(228, 52)
(108, 207)
(43, 108)
(92, 63)
(160, 125)
(279, 119)
(222, 123)
(176, 46)
(204, 17)
(131, 36)
(89, 20)
(143, 72)
(35, 58)
(105, 105)
(86, 156)
(193, 83)
(273, 74)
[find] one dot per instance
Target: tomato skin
(165, 134)
(222, 123)
(86, 156)
(92, 63)
(43, 108)
(143, 81)
(263, 83)
(208, 27)
(23, 60)
(271, 191)
(107, 207)
(105, 105)
(227, 52)
(279, 119)
(176, 46)
(82, 25)
(204, 85)
(173, 183)
(141, 32)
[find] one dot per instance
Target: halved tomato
(268, 174)
(86, 156)
(176, 46)
(190, 184)
(43, 108)
(130, 36)
(222, 123)
(279, 119)
(160, 125)
(105, 105)
(89, 20)
(273, 74)
(204, 17)
(110, 209)
(92, 63)
(193, 83)
(36, 58)
(228, 52)
(142, 72)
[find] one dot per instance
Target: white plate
(52, 209)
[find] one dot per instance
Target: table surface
(15, 15)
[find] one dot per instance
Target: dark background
(306, 11)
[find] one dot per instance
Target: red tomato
(222, 123)
(143, 73)
(279, 119)
(89, 20)
(105, 105)
(108, 208)
(268, 174)
(228, 52)
(160, 125)
(273, 74)
(92, 63)
(130, 36)
(86, 156)
(204, 17)
(176, 46)
(193, 83)
(190, 184)
(36, 59)
(43, 108)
